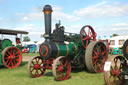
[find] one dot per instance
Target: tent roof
(12, 32)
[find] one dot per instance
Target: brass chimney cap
(47, 9)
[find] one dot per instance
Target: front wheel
(36, 67)
(61, 68)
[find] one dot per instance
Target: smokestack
(47, 20)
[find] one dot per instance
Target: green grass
(19, 76)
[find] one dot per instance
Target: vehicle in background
(30, 48)
(116, 44)
(10, 54)
(25, 50)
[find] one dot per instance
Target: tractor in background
(10, 55)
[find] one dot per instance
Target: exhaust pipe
(47, 20)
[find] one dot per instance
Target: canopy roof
(12, 32)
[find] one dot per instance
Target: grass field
(19, 76)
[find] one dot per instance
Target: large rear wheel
(95, 56)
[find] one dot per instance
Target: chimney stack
(47, 20)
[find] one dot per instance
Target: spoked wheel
(87, 33)
(61, 68)
(112, 75)
(11, 57)
(125, 49)
(95, 56)
(36, 67)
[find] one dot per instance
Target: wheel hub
(115, 72)
(36, 66)
(11, 57)
(60, 69)
(99, 56)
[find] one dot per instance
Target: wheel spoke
(92, 36)
(8, 52)
(15, 62)
(6, 58)
(115, 62)
(14, 53)
(97, 66)
(95, 57)
(60, 68)
(17, 56)
(103, 53)
(99, 48)
(94, 62)
(86, 38)
(113, 82)
(9, 62)
(86, 43)
(103, 61)
(37, 60)
(36, 73)
(65, 64)
(95, 53)
(42, 70)
(85, 32)
(32, 70)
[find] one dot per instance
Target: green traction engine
(61, 50)
(116, 68)
(10, 55)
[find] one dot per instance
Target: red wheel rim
(36, 67)
(63, 69)
(87, 34)
(12, 57)
(99, 57)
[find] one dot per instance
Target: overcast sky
(105, 16)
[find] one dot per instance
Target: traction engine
(62, 50)
(10, 55)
